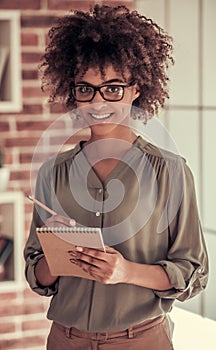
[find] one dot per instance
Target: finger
(88, 250)
(89, 260)
(96, 272)
(84, 261)
(111, 250)
(58, 220)
(88, 254)
(84, 265)
(97, 253)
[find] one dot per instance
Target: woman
(107, 63)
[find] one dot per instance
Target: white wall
(191, 114)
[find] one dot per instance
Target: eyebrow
(104, 83)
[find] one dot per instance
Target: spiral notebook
(57, 241)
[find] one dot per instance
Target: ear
(136, 91)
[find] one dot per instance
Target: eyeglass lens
(108, 92)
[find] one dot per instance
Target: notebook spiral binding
(68, 229)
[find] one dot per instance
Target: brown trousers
(149, 335)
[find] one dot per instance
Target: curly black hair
(102, 36)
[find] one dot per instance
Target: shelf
(10, 65)
(12, 227)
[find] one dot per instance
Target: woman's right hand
(59, 220)
(42, 272)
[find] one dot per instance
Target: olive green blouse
(147, 210)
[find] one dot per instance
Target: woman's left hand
(108, 267)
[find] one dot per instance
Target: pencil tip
(29, 197)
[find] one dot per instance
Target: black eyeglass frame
(98, 88)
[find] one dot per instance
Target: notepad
(57, 241)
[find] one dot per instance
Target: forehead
(94, 76)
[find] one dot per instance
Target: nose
(98, 103)
(98, 98)
(98, 106)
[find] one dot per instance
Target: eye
(85, 89)
(113, 89)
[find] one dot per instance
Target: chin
(103, 129)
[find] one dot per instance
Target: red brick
(19, 175)
(29, 39)
(22, 343)
(8, 158)
(20, 4)
(61, 141)
(31, 57)
(35, 324)
(57, 108)
(68, 4)
(32, 109)
(30, 74)
(29, 295)
(21, 141)
(25, 158)
(84, 4)
(38, 21)
(22, 309)
(27, 109)
(128, 4)
(7, 327)
(7, 297)
(40, 125)
(29, 92)
(4, 126)
(33, 125)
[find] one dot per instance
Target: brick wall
(23, 323)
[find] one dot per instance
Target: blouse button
(97, 213)
(100, 190)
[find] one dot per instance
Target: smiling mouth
(100, 116)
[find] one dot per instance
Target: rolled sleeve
(182, 289)
(187, 261)
(33, 251)
(32, 254)
(31, 262)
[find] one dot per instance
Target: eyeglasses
(112, 93)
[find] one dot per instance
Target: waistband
(129, 332)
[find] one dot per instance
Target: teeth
(100, 116)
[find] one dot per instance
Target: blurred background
(190, 117)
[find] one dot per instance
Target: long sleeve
(33, 251)
(165, 230)
(187, 260)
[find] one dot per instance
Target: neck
(125, 134)
(97, 148)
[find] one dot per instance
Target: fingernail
(79, 249)
(72, 253)
(72, 222)
(73, 261)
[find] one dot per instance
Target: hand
(108, 267)
(59, 221)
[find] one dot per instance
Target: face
(106, 118)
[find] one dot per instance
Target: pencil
(52, 212)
